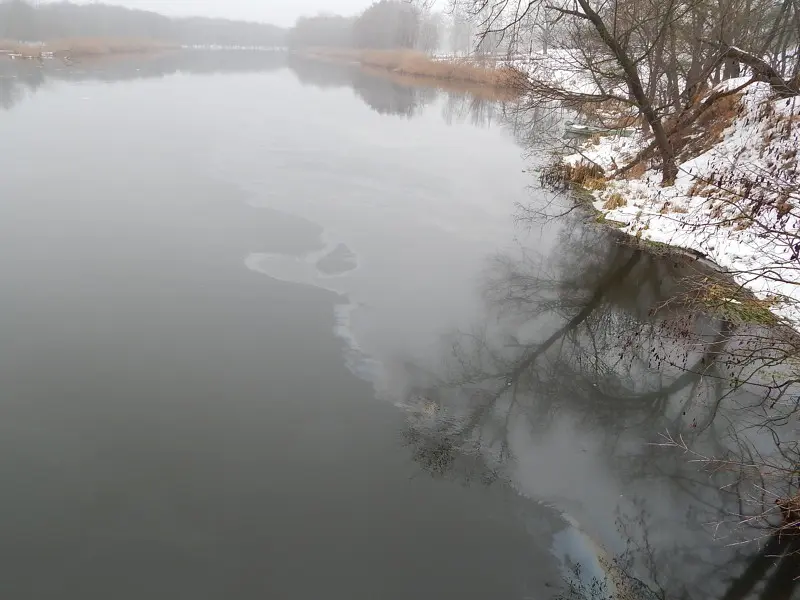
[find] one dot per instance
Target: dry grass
(609, 113)
(595, 184)
(713, 122)
(783, 206)
(736, 304)
(416, 64)
(582, 173)
(636, 171)
(585, 174)
(77, 47)
(495, 94)
(615, 200)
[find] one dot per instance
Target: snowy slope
(735, 203)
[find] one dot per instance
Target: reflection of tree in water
(388, 97)
(595, 339)
(16, 81)
(532, 128)
(321, 74)
(537, 127)
(481, 111)
(379, 92)
(387, 94)
(618, 365)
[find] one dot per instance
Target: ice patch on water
(305, 270)
(312, 268)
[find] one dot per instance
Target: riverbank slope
(736, 199)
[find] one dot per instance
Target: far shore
(412, 64)
(81, 47)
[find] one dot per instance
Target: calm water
(249, 308)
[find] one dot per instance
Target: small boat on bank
(573, 128)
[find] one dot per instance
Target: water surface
(245, 301)
(176, 424)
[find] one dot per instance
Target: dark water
(244, 302)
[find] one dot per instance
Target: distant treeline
(20, 20)
(387, 24)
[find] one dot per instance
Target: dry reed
(417, 64)
(614, 201)
(76, 47)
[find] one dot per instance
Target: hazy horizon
(277, 12)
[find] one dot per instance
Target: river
(245, 301)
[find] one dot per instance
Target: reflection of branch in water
(598, 340)
(460, 105)
(388, 97)
(599, 360)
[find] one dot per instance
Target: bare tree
(388, 24)
(644, 58)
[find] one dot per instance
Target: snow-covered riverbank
(735, 201)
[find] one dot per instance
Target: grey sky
(279, 12)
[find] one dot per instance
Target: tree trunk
(672, 72)
(730, 69)
(694, 77)
(763, 71)
(669, 169)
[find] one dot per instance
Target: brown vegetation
(595, 184)
(417, 64)
(714, 121)
(476, 90)
(611, 114)
(581, 173)
(615, 200)
(637, 170)
(700, 126)
(76, 47)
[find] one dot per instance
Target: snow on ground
(710, 208)
(559, 68)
